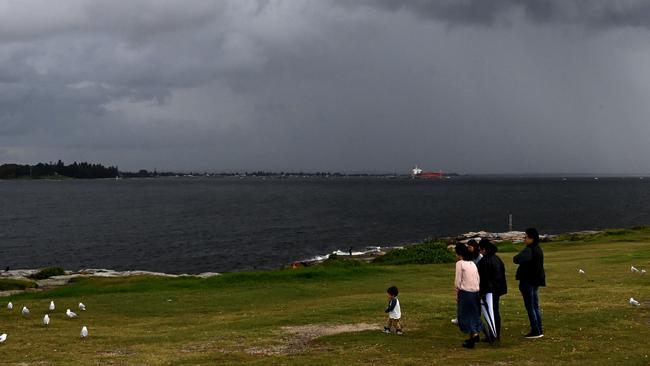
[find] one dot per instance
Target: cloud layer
(467, 86)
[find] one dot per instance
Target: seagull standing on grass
(3, 337)
(70, 314)
(84, 332)
(633, 269)
(25, 311)
(634, 302)
(52, 307)
(46, 320)
(82, 307)
(643, 271)
(10, 306)
(581, 271)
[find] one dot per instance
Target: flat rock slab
(58, 281)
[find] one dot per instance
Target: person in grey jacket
(531, 277)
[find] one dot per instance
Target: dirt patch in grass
(115, 353)
(313, 331)
(295, 339)
(198, 347)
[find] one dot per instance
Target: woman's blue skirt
(469, 312)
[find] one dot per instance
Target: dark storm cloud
(633, 13)
(327, 85)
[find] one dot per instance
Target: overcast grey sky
(470, 86)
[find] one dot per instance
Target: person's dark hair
(533, 234)
(392, 291)
(462, 251)
(489, 247)
(473, 254)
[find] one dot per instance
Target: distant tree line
(75, 170)
(143, 173)
(275, 174)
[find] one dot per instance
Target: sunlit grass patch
(7, 284)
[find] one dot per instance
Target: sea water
(192, 225)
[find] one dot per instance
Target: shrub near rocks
(426, 253)
(47, 273)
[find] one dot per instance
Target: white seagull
(3, 337)
(643, 271)
(46, 320)
(10, 306)
(84, 332)
(581, 271)
(70, 314)
(52, 307)
(633, 269)
(25, 311)
(634, 302)
(82, 307)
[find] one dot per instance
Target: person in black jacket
(531, 276)
(493, 285)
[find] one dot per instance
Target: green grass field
(286, 316)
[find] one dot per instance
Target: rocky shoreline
(374, 252)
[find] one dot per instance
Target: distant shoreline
(315, 176)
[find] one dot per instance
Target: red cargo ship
(420, 174)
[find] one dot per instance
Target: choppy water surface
(193, 225)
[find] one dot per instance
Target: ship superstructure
(418, 173)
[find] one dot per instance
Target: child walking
(394, 311)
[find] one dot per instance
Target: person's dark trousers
(531, 302)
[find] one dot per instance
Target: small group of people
(480, 281)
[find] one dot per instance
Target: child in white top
(394, 311)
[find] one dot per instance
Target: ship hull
(429, 175)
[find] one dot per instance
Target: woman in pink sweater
(467, 296)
